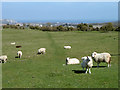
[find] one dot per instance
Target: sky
(60, 0)
(61, 11)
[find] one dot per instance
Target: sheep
(18, 46)
(13, 43)
(41, 51)
(87, 63)
(101, 57)
(3, 58)
(19, 54)
(72, 61)
(67, 47)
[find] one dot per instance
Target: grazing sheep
(87, 63)
(13, 43)
(3, 58)
(72, 61)
(41, 51)
(101, 57)
(67, 47)
(19, 54)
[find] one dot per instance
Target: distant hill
(115, 24)
(8, 21)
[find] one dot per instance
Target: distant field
(47, 71)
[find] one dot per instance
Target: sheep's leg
(86, 70)
(98, 64)
(5, 61)
(66, 61)
(19, 55)
(109, 63)
(89, 71)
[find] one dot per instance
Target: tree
(91, 25)
(97, 29)
(110, 27)
(60, 28)
(103, 29)
(82, 27)
(79, 26)
(107, 27)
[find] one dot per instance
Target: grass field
(47, 71)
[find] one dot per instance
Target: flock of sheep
(87, 61)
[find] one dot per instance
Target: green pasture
(48, 71)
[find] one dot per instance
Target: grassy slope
(40, 71)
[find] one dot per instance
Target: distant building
(20, 24)
(41, 25)
(99, 26)
(51, 25)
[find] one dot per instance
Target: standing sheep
(72, 61)
(101, 57)
(41, 51)
(19, 54)
(87, 63)
(3, 58)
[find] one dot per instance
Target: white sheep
(3, 58)
(67, 47)
(19, 54)
(101, 57)
(87, 63)
(13, 43)
(72, 61)
(41, 51)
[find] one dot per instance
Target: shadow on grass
(99, 66)
(115, 54)
(79, 71)
(83, 71)
(16, 57)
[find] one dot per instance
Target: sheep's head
(83, 58)
(93, 54)
(88, 59)
(68, 58)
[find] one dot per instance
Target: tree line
(79, 27)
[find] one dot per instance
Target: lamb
(3, 58)
(19, 54)
(13, 43)
(67, 47)
(101, 57)
(41, 51)
(72, 61)
(87, 63)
